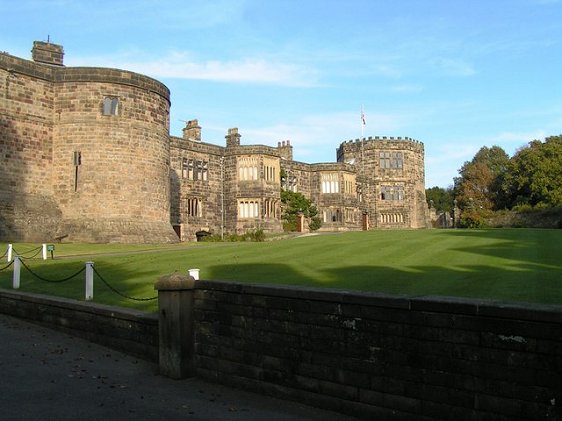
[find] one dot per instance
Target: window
(110, 105)
(349, 214)
(270, 208)
(392, 192)
(392, 218)
(248, 209)
(193, 169)
(194, 207)
(348, 185)
(332, 215)
(289, 183)
(270, 170)
(247, 169)
(269, 173)
(391, 160)
(330, 183)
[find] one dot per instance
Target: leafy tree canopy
(534, 176)
(440, 198)
(295, 203)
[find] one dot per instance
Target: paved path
(48, 375)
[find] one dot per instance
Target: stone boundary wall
(373, 356)
(132, 332)
(382, 357)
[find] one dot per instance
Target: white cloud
(315, 137)
(183, 66)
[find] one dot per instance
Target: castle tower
(86, 152)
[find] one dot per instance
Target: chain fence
(7, 266)
(52, 281)
(116, 291)
(74, 275)
(22, 256)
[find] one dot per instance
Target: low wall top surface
(439, 304)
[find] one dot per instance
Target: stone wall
(382, 357)
(60, 145)
(26, 134)
(370, 355)
(49, 114)
(412, 210)
(129, 331)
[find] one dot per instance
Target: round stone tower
(111, 156)
(106, 149)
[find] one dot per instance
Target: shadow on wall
(25, 215)
(175, 188)
(9, 155)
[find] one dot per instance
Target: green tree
(440, 198)
(534, 176)
(295, 203)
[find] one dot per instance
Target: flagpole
(362, 121)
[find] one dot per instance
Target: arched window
(110, 105)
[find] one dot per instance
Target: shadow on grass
(530, 283)
(534, 246)
(508, 265)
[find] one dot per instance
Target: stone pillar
(175, 325)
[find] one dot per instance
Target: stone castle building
(86, 155)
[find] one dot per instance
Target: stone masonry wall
(130, 331)
(26, 130)
(48, 114)
(383, 357)
(410, 212)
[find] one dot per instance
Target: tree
(440, 198)
(480, 183)
(295, 203)
(534, 175)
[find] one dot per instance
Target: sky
(456, 75)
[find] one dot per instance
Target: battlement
(383, 138)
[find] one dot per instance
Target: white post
(10, 251)
(89, 281)
(16, 277)
(44, 251)
(194, 273)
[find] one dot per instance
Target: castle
(86, 155)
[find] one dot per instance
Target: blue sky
(456, 75)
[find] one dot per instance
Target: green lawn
(504, 264)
